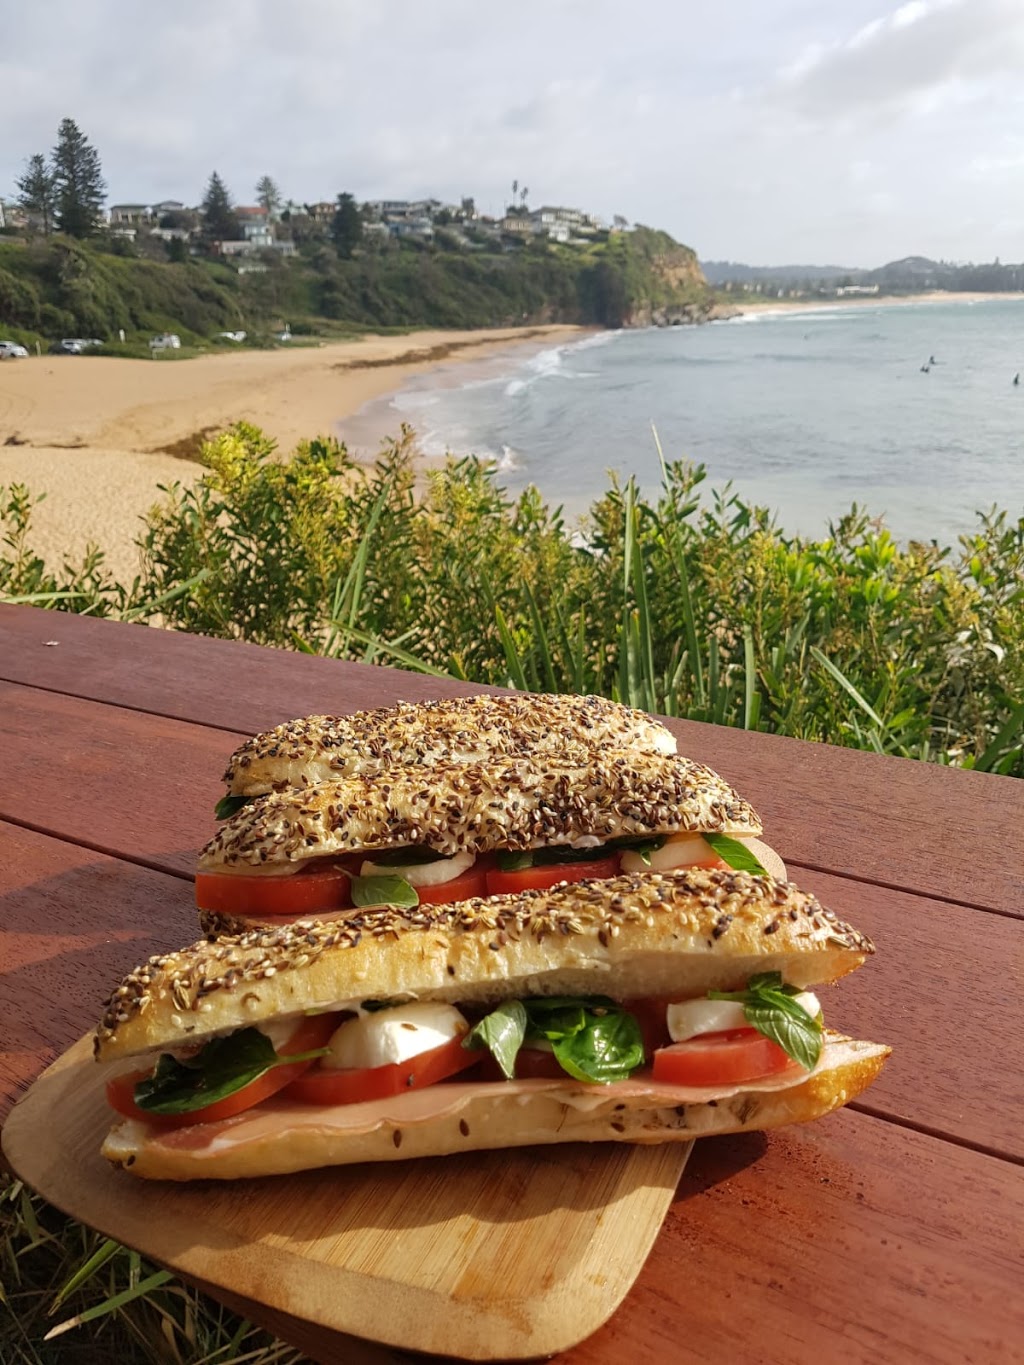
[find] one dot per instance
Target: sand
(98, 435)
(867, 301)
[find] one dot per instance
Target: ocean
(806, 412)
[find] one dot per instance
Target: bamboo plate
(482, 1256)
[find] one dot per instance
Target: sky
(768, 131)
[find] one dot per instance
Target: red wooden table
(891, 1231)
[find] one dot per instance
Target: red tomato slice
(352, 1085)
(727, 1058)
(299, 893)
(550, 874)
(310, 1034)
(472, 882)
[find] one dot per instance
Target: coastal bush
(687, 603)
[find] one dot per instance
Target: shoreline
(766, 306)
(96, 435)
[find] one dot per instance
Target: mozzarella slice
(766, 856)
(422, 874)
(393, 1035)
(678, 850)
(690, 1018)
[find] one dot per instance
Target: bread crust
(676, 934)
(316, 749)
(495, 1118)
(515, 803)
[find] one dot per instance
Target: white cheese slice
(422, 874)
(690, 1018)
(393, 1035)
(678, 850)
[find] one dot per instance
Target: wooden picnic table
(890, 1231)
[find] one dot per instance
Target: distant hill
(55, 287)
(910, 274)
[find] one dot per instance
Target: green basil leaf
(736, 854)
(770, 1007)
(228, 806)
(608, 1049)
(224, 1066)
(796, 1032)
(374, 1006)
(543, 1003)
(644, 847)
(502, 1033)
(564, 1021)
(405, 857)
(367, 891)
(514, 860)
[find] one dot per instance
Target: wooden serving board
(482, 1256)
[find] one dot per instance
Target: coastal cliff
(660, 281)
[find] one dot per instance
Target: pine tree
(219, 221)
(79, 188)
(346, 226)
(268, 195)
(36, 191)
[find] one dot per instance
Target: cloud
(910, 60)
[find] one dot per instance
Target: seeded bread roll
(475, 1117)
(513, 803)
(675, 934)
(316, 749)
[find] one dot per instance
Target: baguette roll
(315, 749)
(443, 1120)
(506, 803)
(675, 935)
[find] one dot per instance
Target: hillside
(57, 287)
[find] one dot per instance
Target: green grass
(71, 1297)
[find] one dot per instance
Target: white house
(129, 215)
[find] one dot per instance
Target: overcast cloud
(770, 131)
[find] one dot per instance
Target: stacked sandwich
(489, 922)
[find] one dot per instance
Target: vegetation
(78, 186)
(36, 192)
(346, 226)
(219, 220)
(685, 604)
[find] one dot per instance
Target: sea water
(908, 410)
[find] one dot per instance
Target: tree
(219, 221)
(268, 195)
(36, 191)
(79, 188)
(177, 250)
(346, 226)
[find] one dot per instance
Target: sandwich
(314, 749)
(411, 835)
(647, 1007)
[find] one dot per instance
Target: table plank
(827, 806)
(73, 921)
(848, 1240)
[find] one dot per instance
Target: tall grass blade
(107, 1249)
(513, 659)
(112, 1304)
(1008, 731)
(848, 686)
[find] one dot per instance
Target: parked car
(167, 341)
(10, 350)
(284, 336)
(74, 345)
(232, 336)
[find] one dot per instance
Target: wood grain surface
(857, 814)
(483, 1255)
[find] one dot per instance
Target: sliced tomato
(324, 887)
(726, 1058)
(472, 882)
(310, 1034)
(352, 1085)
(539, 878)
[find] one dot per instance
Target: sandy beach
(868, 301)
(98, 435)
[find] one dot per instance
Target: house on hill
(129, 215)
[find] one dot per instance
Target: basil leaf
(405, 857)
(608, 1049)
(224, 1066)
(368, 891)
(736, 854)
(770, 1007)
(228, 806)
(565, 1021)
(514, 860)
(502, 1033)
(644, 847)
(796, 1032)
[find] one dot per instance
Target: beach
(98, 435)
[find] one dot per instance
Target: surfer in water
(1016, 379)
